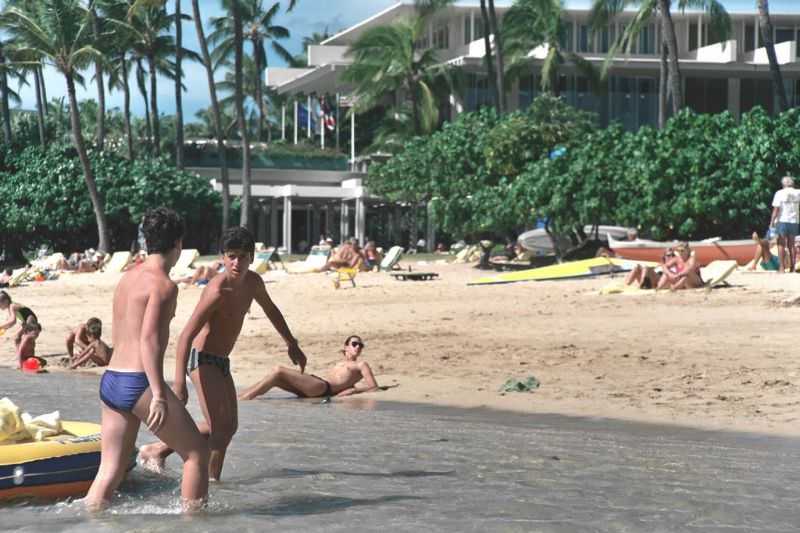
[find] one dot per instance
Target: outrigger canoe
(705, 251)
(56, 467)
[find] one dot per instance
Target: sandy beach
(720, 359)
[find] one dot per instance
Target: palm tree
(498, 43)
(765, 27)
(491, 79)
(178, 87)
(258, 28)
(387, 59)
(604, 12)
(141, 83)
(206, 60)
(238, 50)
(4, 94)
(98, 75)
(251, 77)
(61, 35)
(120, 63)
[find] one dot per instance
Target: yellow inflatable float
(55, 467)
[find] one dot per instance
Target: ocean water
(362, 464)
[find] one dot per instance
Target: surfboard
(574, 269)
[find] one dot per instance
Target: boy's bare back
(140, 292)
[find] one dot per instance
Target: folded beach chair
(183, 267)
(118, 262)
(391, 258)
(265, 260)
(316, 258)
(716, 272)
(260, 247)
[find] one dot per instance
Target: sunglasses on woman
(357, 344)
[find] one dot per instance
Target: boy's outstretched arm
(84, 356)
(209, 299)
(279, 323)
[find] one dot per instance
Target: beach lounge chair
(264, 261)
(18, 276)
(717, 272)
(260, 247)
(391, 258)
(346, 274)
(118, 262)
(316, 259)
(183, 267)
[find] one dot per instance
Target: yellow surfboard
(574, 269)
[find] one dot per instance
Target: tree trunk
(501, 75)
(668, 31)
(765, 27)
(662, 87)
(143, 90)
(100, 138)
(178, 87)
(94, 195)
(414, 108)
(39, 108)
(126, 91)
(43, 87)
(244, 219)
(151, 64)
(212, 90)
(491, 81)
(259, 96)
(4, 99)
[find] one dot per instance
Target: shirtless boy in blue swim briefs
(208, 339)
(133, 389)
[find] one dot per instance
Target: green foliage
(701, 176)
(46, 200)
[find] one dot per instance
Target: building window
(607, 36)
(711, 36)
(467, 30)
(707, 95)
(647, 40)
(585, 39)
(693, 39)
(749, 37)
(784, 34)
(566, 38)
(477, 32)
(477, 94)
(756, 93)
(441, 37)
(528, 90)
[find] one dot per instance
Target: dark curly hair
(162, 227)
(237, 238)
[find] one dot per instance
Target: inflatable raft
(56, 467)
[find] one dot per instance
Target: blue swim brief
(787, 229)
(121, 390)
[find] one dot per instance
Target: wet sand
(724, 359)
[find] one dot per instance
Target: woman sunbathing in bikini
(341, 380)
(680, 272)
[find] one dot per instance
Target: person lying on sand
(345, 256)
(203, 274)
(341, 380)
(86, 337)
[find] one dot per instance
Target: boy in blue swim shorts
(133, 389)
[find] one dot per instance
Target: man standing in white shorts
(785, 219)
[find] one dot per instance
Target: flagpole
(322, 127)
(338, 95)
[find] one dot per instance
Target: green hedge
(46, 201)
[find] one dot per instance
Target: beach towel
(528, 384)
(17, 426)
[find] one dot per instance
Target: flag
(302, 118)
(328, 120)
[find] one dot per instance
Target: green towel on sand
(520, 385)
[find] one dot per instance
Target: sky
(308, 17)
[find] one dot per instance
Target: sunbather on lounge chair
(763, 256)
(341, 380)
(346, 255)
(203, 274)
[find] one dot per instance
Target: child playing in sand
(341, 380)
(208, 339)
(133, 388)
(26, 344)
(16, 313)
(86, 338)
